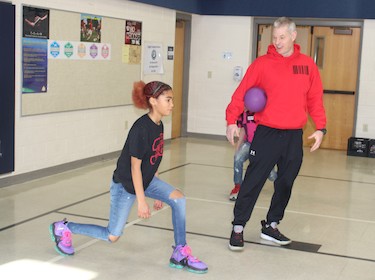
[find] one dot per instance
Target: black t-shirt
(145, 142)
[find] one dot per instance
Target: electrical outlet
(365, 127)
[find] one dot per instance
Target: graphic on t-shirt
(301, 69)
(157, 147)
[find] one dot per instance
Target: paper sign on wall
(153, 60)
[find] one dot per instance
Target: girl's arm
(143, 209)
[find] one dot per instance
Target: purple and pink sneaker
(62, 235)
(181, 257)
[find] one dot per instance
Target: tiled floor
(330, 218)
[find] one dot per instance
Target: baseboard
(29, 176)
(206, 136)
(37, 174)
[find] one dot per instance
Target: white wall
(366, 100)
(208, 97)
(48, 140)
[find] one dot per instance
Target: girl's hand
(158, 205)
(143, 210)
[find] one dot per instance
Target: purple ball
(255, 99)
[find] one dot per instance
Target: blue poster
(34, 65)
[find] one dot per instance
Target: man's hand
(318, 136)
(232, 131)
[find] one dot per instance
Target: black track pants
(270, 147)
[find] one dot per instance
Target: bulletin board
(84, 84)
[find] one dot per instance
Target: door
(7, 72)
(336, 52)
(178, 71)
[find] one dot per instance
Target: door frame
(185, 79)
(316, 22)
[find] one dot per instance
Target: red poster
(133, 33)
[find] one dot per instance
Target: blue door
(7, 51)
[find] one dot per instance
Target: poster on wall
(35, 22)
(153, 60)
(131, 54)
(78, 50)
(170, 53)
(133, 32)
(91, 27)
(131, 51)
(34, 65)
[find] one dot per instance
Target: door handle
(330, 91)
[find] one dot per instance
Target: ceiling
(341, 9)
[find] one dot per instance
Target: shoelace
(66, 238)
(238, 235)
(186, 251)
(275, 230)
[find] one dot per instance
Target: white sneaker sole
(235, 248)
(269, 238)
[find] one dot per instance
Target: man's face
(283, 40)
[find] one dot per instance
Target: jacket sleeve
(315, 105)
(236, 105)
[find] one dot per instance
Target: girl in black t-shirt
(135, 177)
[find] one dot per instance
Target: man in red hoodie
(294, 89)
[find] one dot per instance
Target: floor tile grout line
(135, 223)
(52, 211)
(82, 216)
(198, 199)
(72, 204)
(191, 198)
(167, 170)
(75, 203)
(173, 168)
(288, 211)
(263, 244)
(299, 175)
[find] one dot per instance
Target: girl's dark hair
(142, 92)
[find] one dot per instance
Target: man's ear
(294, 35)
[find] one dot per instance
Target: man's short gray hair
(285, 21)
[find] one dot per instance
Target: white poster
(153, 60)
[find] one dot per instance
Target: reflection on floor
(330, 219)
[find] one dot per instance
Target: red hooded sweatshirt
(293, 88)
